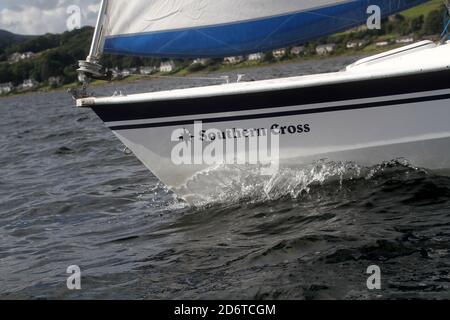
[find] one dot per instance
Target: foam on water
(228, 184)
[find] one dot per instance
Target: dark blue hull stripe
(269, 100)
(284, 114)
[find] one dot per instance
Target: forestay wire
(445, 33)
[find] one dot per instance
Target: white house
(6, 88)
(147, 70)
(325, 48)
(382, 43)
(201, 61)
(409, 39)
(256, 56)
(125, 72)
(28, 84)
(18, 56)
(233, 60)
(355, 44)
(15, 57)
(297, 50)
(167, 67)
(280, 53)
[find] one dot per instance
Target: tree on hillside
(416, 24)
(6, 74)
(35, 45)
(52, 64)
(433, 23)
(269, 57)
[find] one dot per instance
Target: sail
(218, 28)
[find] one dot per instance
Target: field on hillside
(423, 9)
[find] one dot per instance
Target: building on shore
(297, 50)
(28, 84)
(146, 71)
(6, 88)
(408, 39)
(201, 61)
(125, 73)
(278, 54)
(355, 44)
(326, 48)
(382, 43)
(19, 56)
(233, 60)
(167, 67)
(256, 56)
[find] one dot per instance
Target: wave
(231, 184)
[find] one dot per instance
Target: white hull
(419, 133)
(413, 123)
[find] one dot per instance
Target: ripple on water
(69, 195)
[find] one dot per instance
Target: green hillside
(423, 9)
(57, 55)
(7, 39)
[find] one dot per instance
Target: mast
(90, 68)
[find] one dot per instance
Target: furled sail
(217, 28)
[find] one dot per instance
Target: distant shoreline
(205, 73)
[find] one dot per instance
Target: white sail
(163, 15)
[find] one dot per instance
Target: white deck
(424, 56)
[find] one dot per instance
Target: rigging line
(168, 43)
(217, 40)
(445, 32)
(334, 17)
(276, 29)
(446, 28)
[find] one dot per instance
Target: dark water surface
(70, 196)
